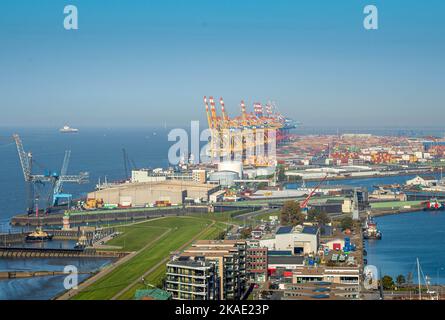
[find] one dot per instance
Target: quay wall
(16, 252)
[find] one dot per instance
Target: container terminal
(311, 259)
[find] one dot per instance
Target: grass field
(226, 217)
(135, 237)
(155, 278)
(265, 216)
(393, 204)
(179, 230)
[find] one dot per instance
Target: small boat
(67, 129)
(368, 234)
(82, 243)
(433, 205)
(38, 235)
(370, 229)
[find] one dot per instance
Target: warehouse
(147, 193)
(296, 240)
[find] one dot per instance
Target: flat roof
(310, 230)
(285, 260)
(284, 230)
(175, 184)
(189, 263)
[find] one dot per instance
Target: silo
(234, 166)
(224, 178)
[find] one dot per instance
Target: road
(253, 214)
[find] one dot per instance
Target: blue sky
(137, 63)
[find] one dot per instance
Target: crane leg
(30, 197)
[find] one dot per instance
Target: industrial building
(146, 175)
(423, 181)
(295, 240)
(224, 178)
(337, 275)
(320, 290)
(284, 262)
(148, 193)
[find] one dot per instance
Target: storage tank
(224, 178)
(234, 166)
(266, 171)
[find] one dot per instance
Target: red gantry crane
(303, 204)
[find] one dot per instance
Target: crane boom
(25, 158)
(304, 203)
(63, 171)
(56, 180)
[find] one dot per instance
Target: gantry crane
(56, 180)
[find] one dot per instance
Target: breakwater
(21, 252)
(102, 216)
(7, 239)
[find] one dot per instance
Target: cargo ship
(38, 235)
(433, 205)
(370, 229)
(67, 129)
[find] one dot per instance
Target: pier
(7, 239)
(18, 252)
(32, 274)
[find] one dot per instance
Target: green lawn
(265, 216)
(182, 230)
(106, 212)
(225, 216)
(155, 278)
(136, 236)
(393, 204)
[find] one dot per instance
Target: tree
(346, 223)
(291, 214)
(280, 173)
(315, 215)
(400, 280)
(245, 233)
(387, 283)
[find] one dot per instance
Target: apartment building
(228, 258)
(256, 264)
(190, 279)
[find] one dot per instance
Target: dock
(105, 216)
(32, 274)
(18, 252)
(7, 239)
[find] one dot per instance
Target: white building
(298, 240)
(426, 181)
(145, 176)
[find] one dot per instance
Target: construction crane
(303, 204)
(129, 164)
(56, 180)
(57, 189)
